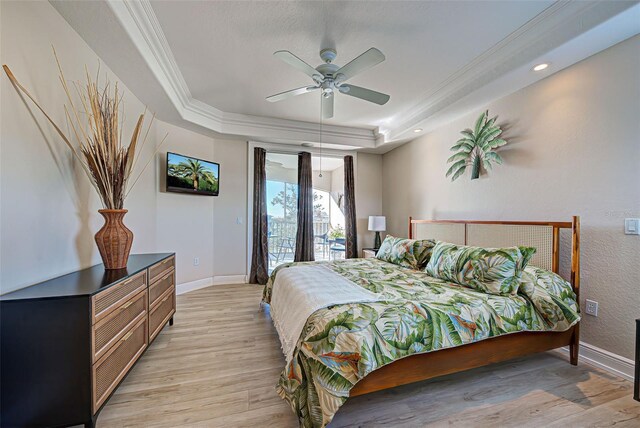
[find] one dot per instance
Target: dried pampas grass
(97, 127)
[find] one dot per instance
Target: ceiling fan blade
(365, 94)
(291, 93)
(293, 60)
(327, 107)
(365, 61)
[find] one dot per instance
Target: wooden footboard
(452, 360)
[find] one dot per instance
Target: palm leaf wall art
(476, 148)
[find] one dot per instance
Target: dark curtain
(304, 235)
(259, 256)
(351, 251)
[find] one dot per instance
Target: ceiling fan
(330, 78)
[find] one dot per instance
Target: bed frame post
(575, 284)
(410, 227)
(555, 262)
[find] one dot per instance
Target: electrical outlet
(196, 261)
(591, 307)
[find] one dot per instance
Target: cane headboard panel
(499, 235)
(447, 232)
(544, 236)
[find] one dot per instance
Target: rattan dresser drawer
(109, 300)
(108, 331)
(160, 313)
(117, 361)
(158, 288)
(159, 269)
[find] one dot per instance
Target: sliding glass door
(328, 226)
(328, 215)
(282, 207)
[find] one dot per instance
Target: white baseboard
(229, 279)
(210, 281)
(194, 285)
(613, 363)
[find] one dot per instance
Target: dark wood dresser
(67, 343)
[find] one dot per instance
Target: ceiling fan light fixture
(541, 67)
(329, 78)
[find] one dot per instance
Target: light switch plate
(632, 226)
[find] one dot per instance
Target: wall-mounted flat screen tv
(190, 175)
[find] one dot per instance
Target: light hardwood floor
(218, 365)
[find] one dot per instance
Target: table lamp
(377, 224)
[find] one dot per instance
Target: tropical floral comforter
(341, 344)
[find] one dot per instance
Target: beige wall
(212, 229)
(185, 222)
(48, 210)
(322, 183)
(368, 187)
(230, 247)
(337, 181)
(574, 149)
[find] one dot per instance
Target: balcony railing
(282, 239)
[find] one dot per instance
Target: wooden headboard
(543, 235)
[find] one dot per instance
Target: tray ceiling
(225, 49)
(209, 63)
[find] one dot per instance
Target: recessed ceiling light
(540, 67)
(417, 130)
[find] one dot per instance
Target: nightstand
(369, 252)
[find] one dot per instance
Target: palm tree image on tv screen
(191, 175)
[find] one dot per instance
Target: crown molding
(553, 27)
(141, 24)
(559, 25)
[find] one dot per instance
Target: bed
(356, 326)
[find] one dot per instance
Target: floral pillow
(491, 270)
(411, 253)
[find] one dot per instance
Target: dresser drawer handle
(126, 305)
(126, 336)
(166, 297)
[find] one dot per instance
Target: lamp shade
(377, 223)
